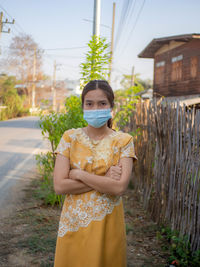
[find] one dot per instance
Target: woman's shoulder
(123, 138)
(123, 135)
(71, 134)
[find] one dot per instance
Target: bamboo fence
(167, 174)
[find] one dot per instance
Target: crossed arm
(77, 181)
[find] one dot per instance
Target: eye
(104, 103)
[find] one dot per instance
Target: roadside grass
(34, 231)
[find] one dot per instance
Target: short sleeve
(128, 150)
(64, 145)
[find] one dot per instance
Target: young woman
(92, 169)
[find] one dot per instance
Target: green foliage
(74, 113)
(97, 59)
(45, 191)
(125, 104)
(55, 124)
(45, 165)
(13, 102)
(139, 83)
(53, 127)
(179, 248)
(10, 98)
(14, 105)
(7, 83)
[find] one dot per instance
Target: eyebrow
(104, 100)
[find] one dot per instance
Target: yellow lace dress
(91, 229)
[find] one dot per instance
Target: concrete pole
(97, 15)
(132, 77)
(54, 87)
(112, 42)
(1, 23)
(34, 80)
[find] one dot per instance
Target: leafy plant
(10, 99)
(179, 248)
(97, 60)
(53, 127)
(55, 124)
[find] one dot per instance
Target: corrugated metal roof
(157, 43)
(189, 100)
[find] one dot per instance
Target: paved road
(20, 140)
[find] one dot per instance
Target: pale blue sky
(60, 24)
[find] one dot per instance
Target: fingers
(116, 169)
(115, 172)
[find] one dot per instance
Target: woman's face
(96, 99)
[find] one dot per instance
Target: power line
(130, 12)
(119, 29)
(66, 48)
(66, 56)
(133, 28)
(12, 18)
(124, 20)
(103, 25)
(137, 18)
(47, 49)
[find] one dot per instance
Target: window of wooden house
(176, 73)
(159, 72)
(193, 67)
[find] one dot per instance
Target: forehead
(97, 94)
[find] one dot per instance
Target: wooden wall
(187, 85)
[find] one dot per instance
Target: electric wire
(127, 40)
(16, 23)
(124, 24)
(120, 24)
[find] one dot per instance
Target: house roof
(146, 94)
(188, 100)
(157, 43)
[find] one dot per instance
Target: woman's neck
(97, 133)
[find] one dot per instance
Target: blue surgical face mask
(98, 117)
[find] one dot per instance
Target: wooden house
(176, 65)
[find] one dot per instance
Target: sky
(59, 24)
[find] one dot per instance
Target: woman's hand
(75, 174)
(115, 172)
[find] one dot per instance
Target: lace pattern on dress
(101, 148)
(79, 212)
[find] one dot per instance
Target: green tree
(139, 84)
(10, 98)
(6, 83)
(14, 103)
(96, 65)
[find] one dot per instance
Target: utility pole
(112, 42)
(34, 80)
(1, 23)
(54, 86)
(132, 77)
(96, 20)
(4, 22)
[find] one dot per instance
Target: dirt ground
(28, 233)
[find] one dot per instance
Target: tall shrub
(96, 65)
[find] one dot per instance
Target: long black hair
(105, 87)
